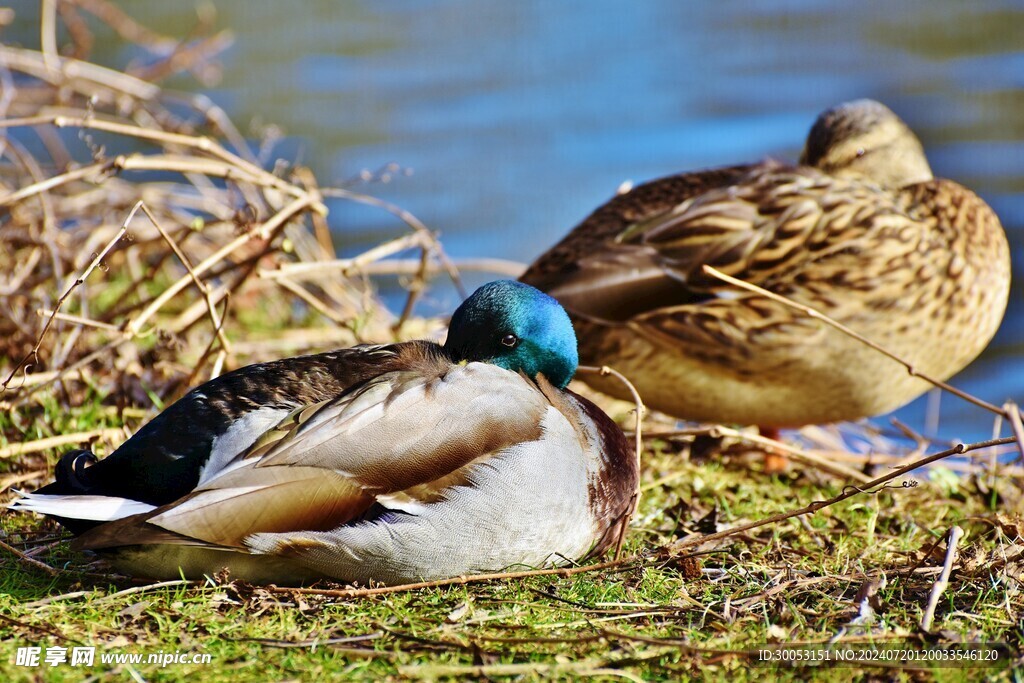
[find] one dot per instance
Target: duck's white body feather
(476, 527)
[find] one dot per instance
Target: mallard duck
(859, 230)
(406, 462)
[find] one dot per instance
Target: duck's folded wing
(406, 429)
(404, 435)
(773, 223)
(281, 500)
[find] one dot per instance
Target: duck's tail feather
(81, 507)
(70, 501)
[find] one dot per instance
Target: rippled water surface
(518, 118)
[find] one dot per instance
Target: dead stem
(29, 561)
(74, 285)
(797, 454)
(148, 587)
(200, 285)
(410, 220)
(49, 442)
(955, 534)
(78, 320)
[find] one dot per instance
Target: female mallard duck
(397, 463)
(860, 231)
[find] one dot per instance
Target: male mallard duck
(860, 231)
(397, 463)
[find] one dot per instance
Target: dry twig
(29, 561)
(955, 534)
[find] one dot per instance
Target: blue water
(518, 118)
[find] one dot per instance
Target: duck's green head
(516, 327)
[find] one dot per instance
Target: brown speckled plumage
(860, 231)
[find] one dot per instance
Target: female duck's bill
(392, 464)
(860, 231)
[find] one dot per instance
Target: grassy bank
(863, 569)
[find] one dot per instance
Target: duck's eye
(860, 151)
(510, 340)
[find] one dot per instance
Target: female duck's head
(866, 138)
(516, 327)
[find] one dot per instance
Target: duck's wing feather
(403, 436)
(281, 500)
(788, 229)
(406, 429)
(190, 440)
(591, 270)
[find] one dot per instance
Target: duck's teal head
(516, 327)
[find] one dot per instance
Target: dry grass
(144, 247)
(155, 265)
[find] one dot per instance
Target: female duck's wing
(789, 229)
(399, 441)
(590, 268)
